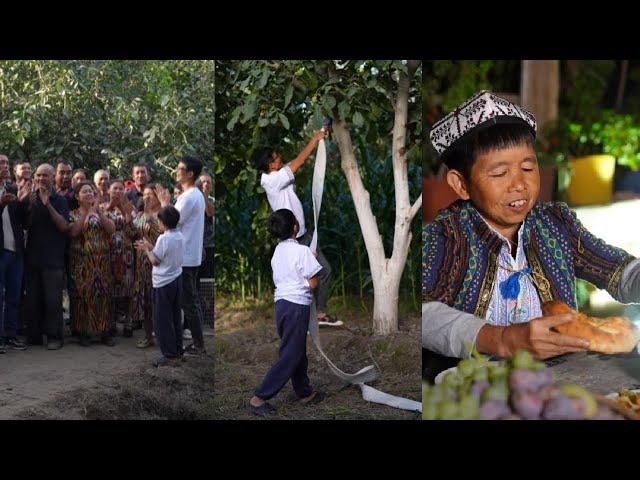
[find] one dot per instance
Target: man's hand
(7, 198)
(538, 337)
(319, 135)
(24, 190)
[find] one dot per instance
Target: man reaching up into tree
(278, 181)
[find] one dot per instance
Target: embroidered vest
(460, 257)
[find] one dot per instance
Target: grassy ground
(144, 393)
(119, 383)
(247, 345)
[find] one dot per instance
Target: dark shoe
(3, 349)
(193, 351)
(315, 397)
(108, 341)
(85, 340)
(127, 332)
(54, 344)
(166, 362)
(14, 344)
(35, 341)
(265, 410)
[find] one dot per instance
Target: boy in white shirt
(167, 258)
(294, 275)
(278, 181)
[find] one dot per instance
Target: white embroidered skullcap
(482, 110)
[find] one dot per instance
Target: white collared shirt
(527, 306)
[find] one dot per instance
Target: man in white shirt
(278, 181)
(191, 206)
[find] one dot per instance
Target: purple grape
(549, 392)
(494, 410)
(564, 408)
(527, 404)
(528, 381)
(477, 388)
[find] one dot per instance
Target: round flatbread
(606, 335)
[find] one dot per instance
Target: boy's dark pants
(292, 321)
(167, 319)
(324, 275)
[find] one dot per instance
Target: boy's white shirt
(191, 206)
(293, 265)
(169, 250)
(280, 187)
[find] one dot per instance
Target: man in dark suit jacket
(12, 217)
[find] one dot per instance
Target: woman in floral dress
(90, 268)
(120, 211)
(146, 227)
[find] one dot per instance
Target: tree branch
(415, 207)
(412, 67)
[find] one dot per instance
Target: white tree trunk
(386, 272)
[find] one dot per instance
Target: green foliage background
(109, 113)
(281, 103)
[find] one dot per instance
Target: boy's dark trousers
(292, 321)
(324, 275)
(167, 320)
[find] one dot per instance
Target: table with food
(601, 384)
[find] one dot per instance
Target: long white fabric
(368, 373)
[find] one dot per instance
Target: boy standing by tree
(294, 275)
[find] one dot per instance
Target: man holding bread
(495, 260)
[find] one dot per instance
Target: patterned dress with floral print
(90, 268)
(122, 257)
(141, 308)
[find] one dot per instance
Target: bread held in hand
(606, 335)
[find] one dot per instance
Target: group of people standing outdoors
(62, 231)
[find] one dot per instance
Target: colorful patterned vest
(460, 257)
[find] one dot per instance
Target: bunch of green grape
(518, 388)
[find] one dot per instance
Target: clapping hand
(163, 195)
(24, 190)
(143, 245)
(7, 197)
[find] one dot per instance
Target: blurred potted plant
(594, 150)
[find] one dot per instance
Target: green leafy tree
(283, 102)
(110, 114)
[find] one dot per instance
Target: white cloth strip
(368, 373)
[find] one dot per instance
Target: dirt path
(247, 345)
(59, 384)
